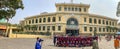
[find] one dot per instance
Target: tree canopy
(8, 8)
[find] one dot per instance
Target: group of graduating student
(72, 41)
(69, 41)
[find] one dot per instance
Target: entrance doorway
(72, 32)
(72, 28)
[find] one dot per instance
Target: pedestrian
(116, 43)
(38, 44)
(54, 39)
(95, 43)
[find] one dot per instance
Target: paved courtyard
(6, 43)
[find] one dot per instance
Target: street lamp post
(94, 33)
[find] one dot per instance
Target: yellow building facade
(72, 19)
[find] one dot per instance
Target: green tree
(8, 9)
(27, 27)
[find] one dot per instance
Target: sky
(34, 7)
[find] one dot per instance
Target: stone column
(52, 34)
(10, 32)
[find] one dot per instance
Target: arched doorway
(72, 28)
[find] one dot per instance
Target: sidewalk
(1, 37)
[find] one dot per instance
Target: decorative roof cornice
(101, 16)
(72, 4)
(54, 13)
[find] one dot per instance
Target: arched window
(36, 20)
(79, 9)
(85, 10)
(59, 18)
(32, 20)
(29, 21)
(99, 21)
(54, 19)
(40, 20)
(48, 19)
(90, 20)
(44, 19)
(60, 8)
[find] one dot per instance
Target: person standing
(38, 43)
(95, 43)
(116, 43)
(99, 38)
(54, 39)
